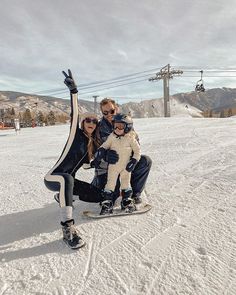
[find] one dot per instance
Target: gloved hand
(131, 165)
(95, 163)
(99, 155)
(69, 81)
(111, 157)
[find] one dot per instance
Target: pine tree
(12, 112)
(62, 118)
(2, 113)
(13, 116)
(51, 118)
(205, 114)
(40, 118)
(230, 112)
(20, 117)
(27, 118)
(222, 114)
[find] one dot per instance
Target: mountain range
(181, 104)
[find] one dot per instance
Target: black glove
(131, 165)
(95, 163)
(99, 155)
(111, 157)
(69, 81)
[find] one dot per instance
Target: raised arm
(70, 83)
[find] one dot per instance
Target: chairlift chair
(199, 86)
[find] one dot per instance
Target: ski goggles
(91, 120)
(112, 112)
(121, 126)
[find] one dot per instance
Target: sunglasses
(112, 112)
(91, 120)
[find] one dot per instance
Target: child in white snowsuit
(123, 141)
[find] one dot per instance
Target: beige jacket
(123, 145)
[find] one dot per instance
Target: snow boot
(137, 199)
(71, 235)
(127, 202)
(107, 203)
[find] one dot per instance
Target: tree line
(224, 113)
(28, 118)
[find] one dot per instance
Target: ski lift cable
(97, 86)
(133, 82)
(103, 81)
(118, 81)
(102, 89)
(92, 84)
(183, 76)
(94, 90)
(106, 88)
(197, 68)
(55, 91)
(121, 77)
(212, 71)
(50, 90)
(98, 89)
(64, 90)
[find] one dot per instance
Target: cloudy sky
(101, 40)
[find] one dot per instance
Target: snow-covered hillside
(155, 108)
(185, 245)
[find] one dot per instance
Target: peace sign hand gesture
(69, 81)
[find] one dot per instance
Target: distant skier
(123, 141)
(17, 125)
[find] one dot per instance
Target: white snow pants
(113, 174)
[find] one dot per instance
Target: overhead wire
(119, 77)
(97, 90)
(96, 84)
(118, 81)
(101, 81)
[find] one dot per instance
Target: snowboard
(118, 212)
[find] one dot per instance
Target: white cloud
(104, 39)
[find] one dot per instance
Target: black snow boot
(137, 199)
(107, 203)
(127, 202)
(71, 235)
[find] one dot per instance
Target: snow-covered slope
(185, 245)
(155, 108)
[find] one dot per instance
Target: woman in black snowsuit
(79, 149)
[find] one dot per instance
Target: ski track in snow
(185, 245)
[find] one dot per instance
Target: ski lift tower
(95, 103)
(166, 74)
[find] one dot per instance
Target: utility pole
(95, 103)
(166, 74)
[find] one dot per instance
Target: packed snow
(186, 244)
